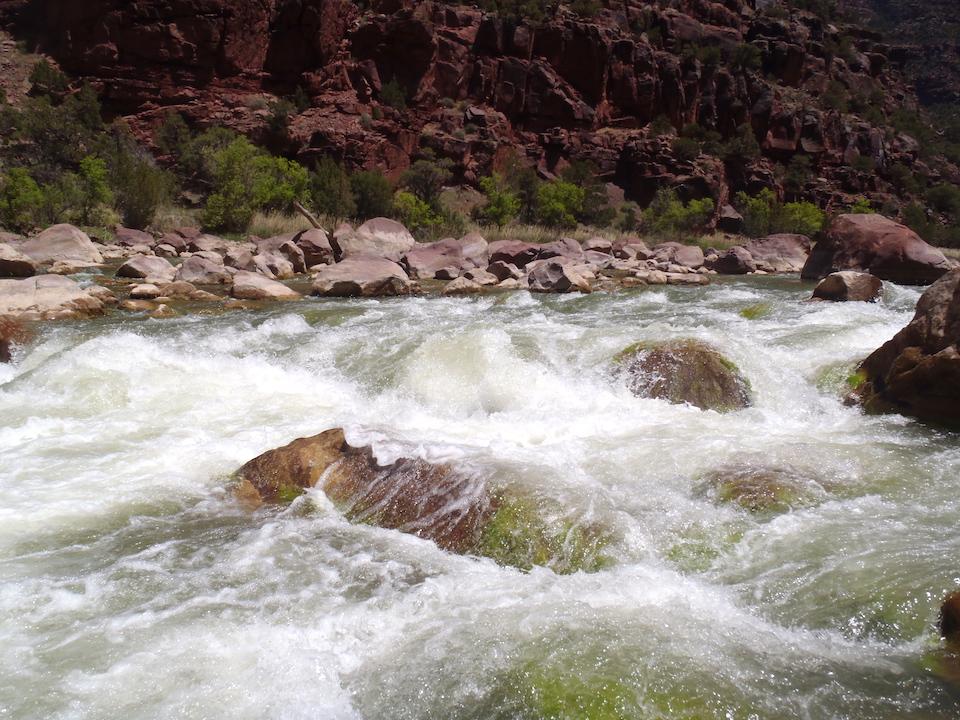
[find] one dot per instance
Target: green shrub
(746, 57)
(246, 180)
(764, 214)
(685, 149)
(414, 213)
(798, 174)
(667, 216)
(21, 201)
(596, 208)
(945, 198)
(862, 206)
(835, 97)
(394, 95)
(864, 164)
(559, 203)
(331, 191)
(502, 204)
(661, 125)
(47, 81)
(372, 193)
(903, 179)
(94, 189)
(742, 147)
(628, 219)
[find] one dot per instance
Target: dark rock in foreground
(685, 371)
(949, 623)
(917, 373)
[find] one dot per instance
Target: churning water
(133, 586)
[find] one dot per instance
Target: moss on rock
(761, 489)
(685, 371)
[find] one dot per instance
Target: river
(132, 585)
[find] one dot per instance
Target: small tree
(21, 200)
(373, 194)
(502, 205)
(427, 177)
(331, 190)
(94, 188)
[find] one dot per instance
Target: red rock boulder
(878, 245)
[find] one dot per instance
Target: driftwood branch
(307, 214)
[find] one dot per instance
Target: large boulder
(47, 297)
(128, 237)
(361, 276)
(63, 243)
(147, 266)
(201, 271)
(316, 247)
(514, 252)
(425, 260)
(849, 286)
(735, 261)
(475, 250)
(273, 265)
(286, 247)
(684, 371)
(690, 256)
(550, 276)
(781, 253)
(443, 503)
(917, 373)
(208, 243)
(379, 237)
(252, 286)
(12, 332)
(14, 263)
(878, 245)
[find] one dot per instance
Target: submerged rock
(949, 621)
(917, 373)
(435, 501)
(761, 489)
(685, 371)
(12, 332)
(849, 286)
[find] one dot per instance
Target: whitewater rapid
(133, 586)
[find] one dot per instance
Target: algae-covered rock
(449, 505)
(685, 371)
(757, 311)
(840, 378)
(761, 489)
(519, 535)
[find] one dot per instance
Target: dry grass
(952, 253)
(267, 225)
(171, 217)
(542, 234)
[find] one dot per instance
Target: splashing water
(133, 586)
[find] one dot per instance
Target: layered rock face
(478, 86)
(917, 373)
